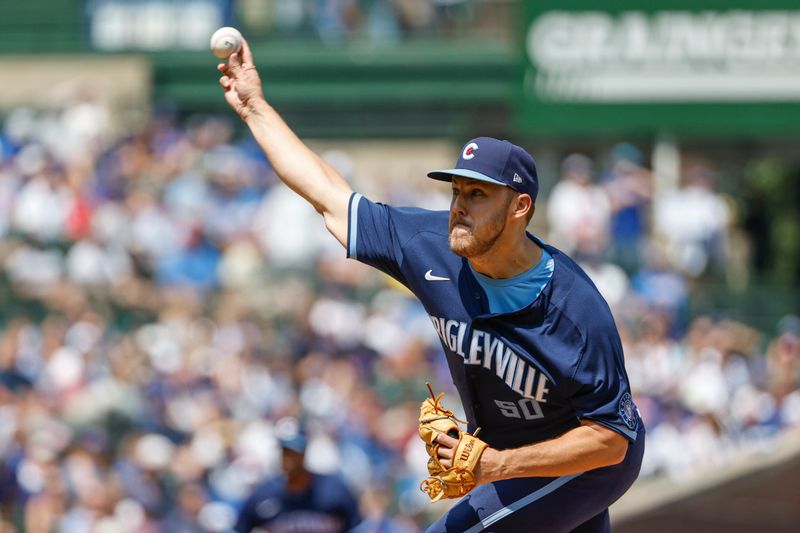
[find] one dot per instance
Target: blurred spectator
(693, 223)
(578, 211)
(660, 287)
(629, 187)
(783, 357)
(298, 500)
(44, 201)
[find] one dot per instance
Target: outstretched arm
(296, 165)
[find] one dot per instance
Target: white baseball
(226, 41)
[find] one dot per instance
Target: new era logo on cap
(499, 162)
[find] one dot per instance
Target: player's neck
(299, 482)
(507, 259)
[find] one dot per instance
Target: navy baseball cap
(291, 434)
(495, 161)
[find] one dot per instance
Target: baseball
(226, 41)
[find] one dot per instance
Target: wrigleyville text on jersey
(490, 352)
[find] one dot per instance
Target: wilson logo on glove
(467, 450)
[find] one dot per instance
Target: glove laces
(437, 405)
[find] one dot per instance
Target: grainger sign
(697, 67)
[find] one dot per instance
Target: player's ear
(524, 206)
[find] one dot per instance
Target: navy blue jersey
(326, 507)
(524, 376)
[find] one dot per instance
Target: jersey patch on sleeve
(627, 411)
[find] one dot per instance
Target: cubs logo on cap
(469, 151)
(494, 161)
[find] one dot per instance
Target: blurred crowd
(373, 21)
(165, 303)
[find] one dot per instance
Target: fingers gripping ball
(226, 41)
(459, 479)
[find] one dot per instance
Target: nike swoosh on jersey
(431, 277)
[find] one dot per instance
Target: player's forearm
(296, 165)
(584, 448)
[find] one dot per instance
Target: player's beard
(477, 239)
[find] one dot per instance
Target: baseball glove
(459, 479)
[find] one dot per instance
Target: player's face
(478, 213)
(292, 462)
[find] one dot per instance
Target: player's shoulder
(574, 295)
(406, 221)
(272, 486)
(333, 486)
(419, 218)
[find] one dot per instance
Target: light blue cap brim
(447, 175)
(297, 443)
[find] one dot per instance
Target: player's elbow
(610, 446)
(616, 448)
(619, 454)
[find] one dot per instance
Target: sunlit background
(165, 301)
